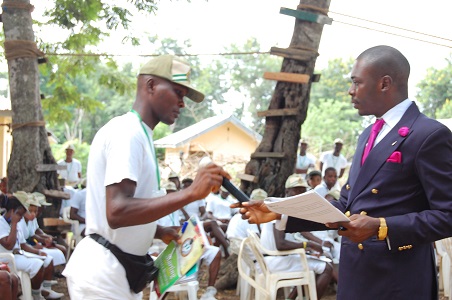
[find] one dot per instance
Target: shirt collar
(393, 116)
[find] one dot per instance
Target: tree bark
(30, 144)
(282, 134)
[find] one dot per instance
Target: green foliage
(445, 112)
(330, 114)
(435, 89)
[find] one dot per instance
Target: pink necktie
(373, 135)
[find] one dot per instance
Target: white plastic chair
(23, 276)
(76, 234)
(444, 268)
(447, 266)
(276, 280)
(247, 270)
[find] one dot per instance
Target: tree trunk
(30, 144)
(282, 134)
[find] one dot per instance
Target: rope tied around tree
(17, 5)
(314, 8)
(32, 124)
(20, 48)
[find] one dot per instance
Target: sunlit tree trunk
(283, 133)
(30, 143)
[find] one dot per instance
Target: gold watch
(382, 230)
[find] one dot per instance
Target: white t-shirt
(210, 197)
(5, 229)
(120, 150)
(170, 220)
(192, 208)
(219, 207)
(305, 161)
(79, 202)
(329, 160)
(288, 263)
(238, 228)
(73, 168)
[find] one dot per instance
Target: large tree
(30, 146)
(282, 133)
(82, 19)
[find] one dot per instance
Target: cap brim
(192, 94)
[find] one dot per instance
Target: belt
(101, 240)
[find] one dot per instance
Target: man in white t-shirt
(73, 172)
(305, 160)
(124, 198)
(334, 159)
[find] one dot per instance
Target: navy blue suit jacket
(415, 198)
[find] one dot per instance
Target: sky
(214, 24)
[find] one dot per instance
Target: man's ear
(150, 84)
(386, 83)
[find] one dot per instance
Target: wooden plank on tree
(49, 168)
(287, 77)
(306, 16)
(247, 177)
(57, 194)
(278, 112)
(54, 222)
(268, 155)
(294, 53)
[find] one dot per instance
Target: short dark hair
(187, 180)
(330, 169)
(314, 173)
(10, 203)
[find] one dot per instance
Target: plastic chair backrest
(276, 280)
(246, 266)
(24, 276)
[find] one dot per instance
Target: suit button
(347, 187)
(374, 191)
(360, 246)
(347, 214)
(400, 248)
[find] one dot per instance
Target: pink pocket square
(396, 157)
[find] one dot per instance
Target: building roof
(187, 134)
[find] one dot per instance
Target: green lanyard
(157, 171)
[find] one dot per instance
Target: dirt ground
(221, 295)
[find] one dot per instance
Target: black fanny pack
(140, 270)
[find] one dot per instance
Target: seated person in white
(219, 213)
(274, 239)
(238, 228)
(78, 211)
(28, 226)
(194, 208)
(237, 231)
(11, 241)
(211, 257)
(43, 238)
(328, 183)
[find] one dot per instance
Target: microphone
(228, 185)
(238, 194)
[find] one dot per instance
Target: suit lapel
(379, 154)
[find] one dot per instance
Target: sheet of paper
(308, 206)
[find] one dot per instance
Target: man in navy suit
(397, 197)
